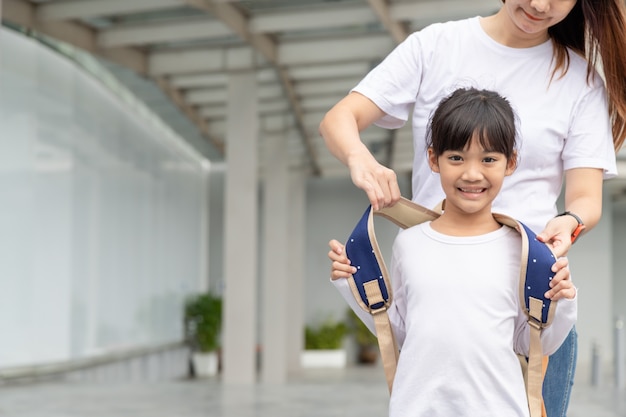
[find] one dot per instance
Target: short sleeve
(589, 142)
(394, 84)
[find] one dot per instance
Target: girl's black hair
(467, 111)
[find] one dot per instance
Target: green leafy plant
(366, 341)
(327, 335)
(362, 335)
(203, 321)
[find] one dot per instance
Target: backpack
(371, 287)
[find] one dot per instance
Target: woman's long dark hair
(596, 30)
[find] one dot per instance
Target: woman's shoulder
(449, 29)
(577, 71)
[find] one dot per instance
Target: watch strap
(579, 228)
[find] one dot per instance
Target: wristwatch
(579, 228)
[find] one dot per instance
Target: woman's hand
(558, 234)
(341, 267)
(561, 285)
(341, 128)
(379, 182)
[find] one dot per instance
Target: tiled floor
(356, 391)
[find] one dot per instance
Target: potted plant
(366, 341)
(324, 344)
(203, 323)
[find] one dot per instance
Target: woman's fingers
(379, 182)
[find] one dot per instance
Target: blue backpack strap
(371, 285)
(360, 250)
(363, 251)
(535, 273)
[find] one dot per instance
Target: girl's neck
(503, 30)
(455, 223)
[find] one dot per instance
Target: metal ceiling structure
(176, 55)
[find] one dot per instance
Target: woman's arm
(340, 129)
(583, 197)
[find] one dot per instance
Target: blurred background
(154, 153)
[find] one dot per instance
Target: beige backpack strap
(386, 340)
(540, 312)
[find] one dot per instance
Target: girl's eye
(455, 158)
(489, 159)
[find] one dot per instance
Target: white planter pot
(335, 358)
(204, 364)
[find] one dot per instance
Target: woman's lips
(533, 18)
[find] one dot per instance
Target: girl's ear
(433, 160)
(511, 165)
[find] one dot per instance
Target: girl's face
(471, 178)
(534, 17)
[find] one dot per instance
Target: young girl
(542, 55)
(456, 312)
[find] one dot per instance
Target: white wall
(591, 263)
(102, 224)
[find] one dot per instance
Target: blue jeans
(559, 379)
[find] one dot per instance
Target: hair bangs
(469, 113)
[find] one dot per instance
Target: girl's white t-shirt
(457, 318)
(563, 120)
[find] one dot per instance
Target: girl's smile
(471, 192)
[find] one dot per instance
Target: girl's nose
(542, 6)
(472, 173)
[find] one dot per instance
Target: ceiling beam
(397, 30)
(232, 17)
(441, 10)
(190, 111)
(320, 103)
(316, 52)
(202, 80)
(319, 18)
(336, 85)
(321, 72)
(181, 61)
(199, 80)
(399, 33)
(306, 57)
(171, 31)
(81, 9)
(239, 24)
(25, 14)
(220, 95)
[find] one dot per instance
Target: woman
(537, 55)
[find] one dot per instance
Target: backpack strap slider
(376, 302)
(535, 323)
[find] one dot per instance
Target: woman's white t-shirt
(564, 120)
